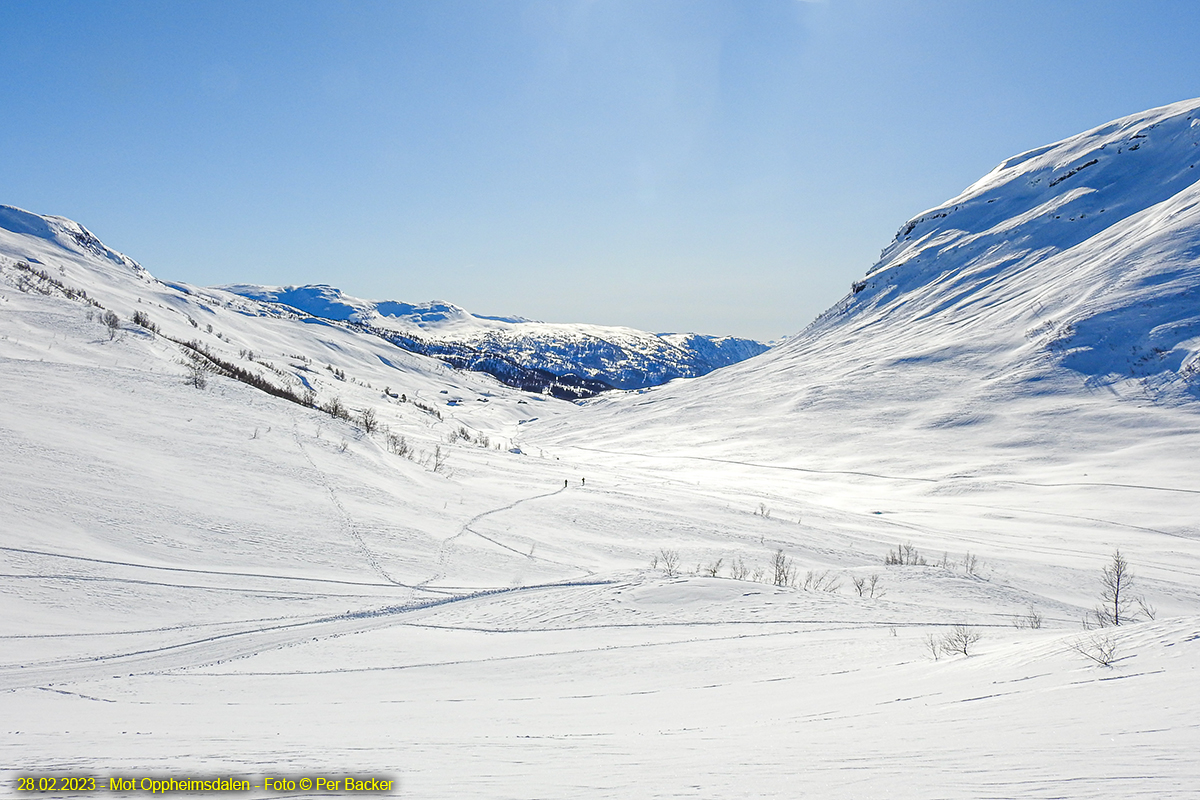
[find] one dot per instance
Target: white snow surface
(218, 581)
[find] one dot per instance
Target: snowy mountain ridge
(566, 360)
(62, 231)
(1091, 240)
(619, 357)
(329, 302)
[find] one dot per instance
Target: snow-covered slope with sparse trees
(242, 538)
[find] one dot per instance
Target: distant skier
(564, 483)
(583, 481)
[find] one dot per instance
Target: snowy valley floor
(783, 710)
(217, 582)
(485, 593)
(611, 680)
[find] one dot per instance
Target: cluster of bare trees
(868, 586)
(907, 555)
(463, 434)
(780, 571)
(1120, 604)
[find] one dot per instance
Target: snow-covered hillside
(1066, 277)
(239, 539)
(623, 358)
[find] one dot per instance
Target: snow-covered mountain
(507, 347)
(239, 538)
(58, 231)
(1016, 312)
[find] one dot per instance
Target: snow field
(216, 579)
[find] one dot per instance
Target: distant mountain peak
(568, 360)
(505, 345)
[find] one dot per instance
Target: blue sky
(725, 167)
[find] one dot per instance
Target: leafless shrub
(823, 581)
(438, 462)
(430, 410)
(336, 409)
(667, 561)
(906, 555)
(783, 573)
(399, 445)
(1030, 619)
(762, 511)
(29, 279)
(1100, 649)
(368, 421)
(112, 322)
(867, 586)
(197, 374)
(970, 565)
(960, 639)
(140, 318)
(1148, 610)
(738, 569)
(934, 643)
(714, 568)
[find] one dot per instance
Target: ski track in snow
(347, 521)
(445, 550)
(256, 575)
(224, 647)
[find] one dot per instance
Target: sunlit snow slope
(382, 565)
(996, 332)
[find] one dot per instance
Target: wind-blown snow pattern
(622, 358)
(385, 566)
